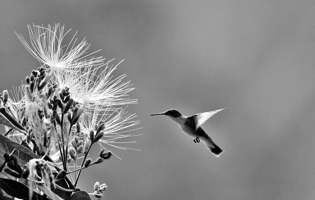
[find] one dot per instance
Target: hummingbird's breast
(188, 130)
(182, 122)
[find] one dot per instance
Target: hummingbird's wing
(201, 118)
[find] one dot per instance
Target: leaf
(18, 190)
(64, 183)
(10, 121)
(22, 153)
(80, 195)
(4, 197)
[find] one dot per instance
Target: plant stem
(63, 142)
(60, 150)
(68, 141)
(76, 170)
(83, 161)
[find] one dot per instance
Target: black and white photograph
(157, 100)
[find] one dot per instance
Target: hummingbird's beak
(157, 114)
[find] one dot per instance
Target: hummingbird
(192, 126)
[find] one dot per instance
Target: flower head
(97, 86)
(118, 126)
(49, 46)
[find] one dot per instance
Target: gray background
(253, 57)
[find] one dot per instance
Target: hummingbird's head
(170, 113)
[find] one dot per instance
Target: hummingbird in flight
(192, 126)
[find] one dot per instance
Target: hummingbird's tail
(215, 149)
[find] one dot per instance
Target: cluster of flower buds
(67, 106)
(104, 155)
(36, 82)
(99, 189)
(96, 135)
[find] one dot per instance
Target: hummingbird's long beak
(155, 114)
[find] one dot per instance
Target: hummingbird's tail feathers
(216, 150)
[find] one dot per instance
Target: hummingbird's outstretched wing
(201, 118)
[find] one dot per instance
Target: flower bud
(98, 136)
(87, 162)
(76, 115)
(92, 136)
(87, 146)
(35, 73)
(32, 86)
(5, 96)
(27, 80)
(100, 128)
(59, 103)
(42, 84)
(69, 117)
(68, 105)
(105, 154)
(78, 128)
(66, 99)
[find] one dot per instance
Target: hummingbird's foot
(196, 140)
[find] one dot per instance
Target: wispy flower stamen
(97, 86)
(48, 45)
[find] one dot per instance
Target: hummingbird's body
(192, 126)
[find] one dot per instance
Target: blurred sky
(253, 57)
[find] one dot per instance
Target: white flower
(49, 46)
(119, 125)
(97, 86)
(41, 177)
